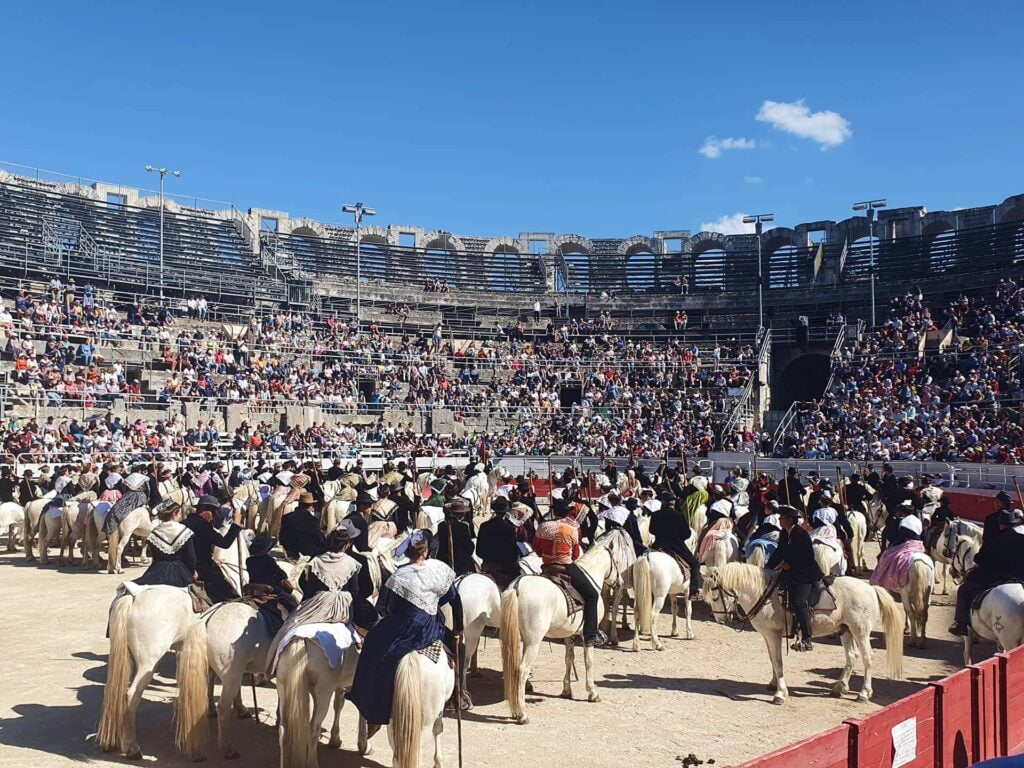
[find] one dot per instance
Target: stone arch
(1011, 209)
(505, 273)
(636, 244)
(373, 234)
(641, 266)
(708, 254)
(784, 254)
(578, 243)
(441, 256)
(374, 255)
(303, 226)
(439, 239)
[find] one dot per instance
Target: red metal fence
(975, 714)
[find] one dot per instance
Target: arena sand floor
(706, 696)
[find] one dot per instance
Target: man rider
(800, 572)
(991, 526)
(671, 530)
(558, 543)
(496, 544)
(205, 537)
(457, 531)
(998, 561)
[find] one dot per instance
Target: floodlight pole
(869, 207)
(358, 211)
(758, 222)
(163, 172)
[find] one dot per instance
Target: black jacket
(794, 496)
(362, 541)
(462, 544)
(796, 549)
(991, 528)
(206, 537)
(856, 497)
(7, 488)
(670, 530)
(301, 534)
(263, 569)
(405, 512)
(496, 543)
(1002, 556)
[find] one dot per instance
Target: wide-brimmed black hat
(262, 544)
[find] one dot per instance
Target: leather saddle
(821, 599)
(264, 600)
(555, 573)
(978, 598)
(201, 601)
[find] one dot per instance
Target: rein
(738, 618)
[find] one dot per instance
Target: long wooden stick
(458, 649)
(1020, 499)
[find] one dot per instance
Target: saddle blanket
(722, 529)
(433, 652)
(893, 569)
(767, 545)
(334, 639)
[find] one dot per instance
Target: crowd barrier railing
(973, 715)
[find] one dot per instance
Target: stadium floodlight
(163, 172)
(358, 210)
(758, 221)
(870, 206)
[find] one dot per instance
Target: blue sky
(496, 117)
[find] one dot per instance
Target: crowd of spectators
(894, 396)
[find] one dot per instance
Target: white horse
(916, 596)
(304, 673)
(859, 524)
(422, 687)
(828, 554)
(229, 639)
(481, 608)
(859, 608)
(657, 575)
(877, 514)
(246, 499)
(49, 529)
(75, 529)
(955, 549)
(999, 618)
(12, 520)
(143, 627)
(725, 548)
(533, 608)
(138, 522)
(338, 496)
(33, 511)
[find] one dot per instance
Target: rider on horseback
(558, 543)
(671, 530)
(457, 531)
(496, 544)
(410, 603)
(800, 572)
(206, 537)
(999, 560)
(173, 551)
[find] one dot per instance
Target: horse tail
(422, 521)
(892, 626)
(193, 702)
(119, 673)
(644, 595)
(407, 712)
(511, 651)
(921, 578)
(297, 748)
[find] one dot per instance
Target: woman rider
(410, 604)
(172, 550)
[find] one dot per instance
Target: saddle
(498, 575)
(434, 651)
(821, 599)
(679, 561)
(201, 601)
(555, 573)
(264, 600)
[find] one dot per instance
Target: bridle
(737, 617)
(958, 561)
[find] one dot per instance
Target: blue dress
(404, 629)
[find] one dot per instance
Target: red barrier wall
(830, 749)
(989, 712)
(1012, 678)
(971, 504)
(871, 743)
(954, 709)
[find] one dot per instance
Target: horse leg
(625, 600)
(114, 552)
(864, 647)
(842, 685)
(774, 643)
(529, 659)
(689, 614)
(659, 603)
(143, 677)
(339, 703)
(673, 605)
(613, 629)
(230, 687)
(44, 538)
(438, 730)
(321, 703)
(366, 732)
(588, 672)
(968, 642)
(570, 657)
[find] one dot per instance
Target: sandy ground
(706, 696)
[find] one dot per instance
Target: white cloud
(752, 180)
(713, 147)
(830, 129)
(728, 225)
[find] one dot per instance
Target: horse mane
(737, 577)
(601, 545)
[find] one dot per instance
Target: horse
(50, 526)
(859, 607)
(422, 687)
(719, 544)
(246, 499)
(481, 608)
(138, 522)
(955, 547)
(533, 608)
(859, 524)
(303, 673)
(877, 514)
(916, 596)
(145, 623)
(33, 511)
(12, 520)
(999, 617)
(229, 639)
(337, 498)
(657, 575)
(75, 526)
(829, 557)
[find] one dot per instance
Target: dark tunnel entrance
(803, 379)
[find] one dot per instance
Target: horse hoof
(659, 647)
(594, 698)
(134, 754)
(245, 714)
(863, 698)
(522, 720)
(566, 694)
(690, 636)
(675, 633)
(529, 687)
(231, 754)
(334, 743)
(778, 701)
